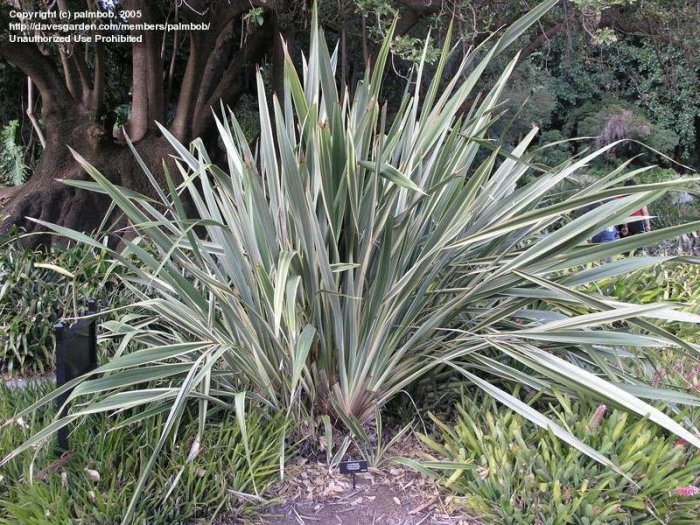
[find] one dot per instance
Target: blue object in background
(607, 235)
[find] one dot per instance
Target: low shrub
(519, 474)
(39, 287)
(673, 282)
(673, 208)
(669, 368)
(94, 482)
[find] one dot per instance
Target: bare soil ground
(391, 495)
(378, 503)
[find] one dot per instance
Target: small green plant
(248, 117)
(334, 454)
(674, 282)
(672, 208)
(13, 170)
(373, 446)
(516, 473)
(381, 14)
(256, 14)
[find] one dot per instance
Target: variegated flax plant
(349, 255)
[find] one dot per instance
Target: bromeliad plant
(513, 473)
(350, 254)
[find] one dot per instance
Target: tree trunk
(46, 198)
(72, 89)
(69, 122)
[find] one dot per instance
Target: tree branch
(191, 81)
(217, 61)
(138, 121)
(413, 11)
(541, 38)
(83, 75)
(99, 77)
(70, 72)
(156, 94)
(233, 80)
(206, 56)
(34, 64)
(147, 73)
(31, 115)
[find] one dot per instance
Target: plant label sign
(352, 467)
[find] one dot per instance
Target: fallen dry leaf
(194, 450)
(54, 467)
(92, 475)
(424, 506)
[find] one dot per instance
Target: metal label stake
(353, 468)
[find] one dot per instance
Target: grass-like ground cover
(94, 481)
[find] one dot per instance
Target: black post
(59, 330)
(76, 355)
(92, 309)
